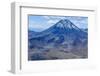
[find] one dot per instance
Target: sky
(39, 23)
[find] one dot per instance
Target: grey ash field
(62, 40)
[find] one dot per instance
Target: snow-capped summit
(65, 23)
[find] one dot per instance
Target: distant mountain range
(64, 35)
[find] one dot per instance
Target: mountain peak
(64, 23)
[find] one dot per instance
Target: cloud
(33, 24)
(54, 17)
(52, 21)
(46, 17)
